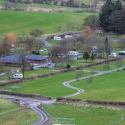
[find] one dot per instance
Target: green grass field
(22, 22)
(86, 116)
(50, 86)
(105, 87)
(19, 117)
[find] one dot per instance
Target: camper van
(73, 53)
(57, 38)
(122, 53)
(16, 76)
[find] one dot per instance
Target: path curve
(44, 118)
(43, 40)
(79, 91)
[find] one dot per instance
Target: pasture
(49, 86)
(86, 116)
(109, 87)
(105, 87)
(22, 22)
(17, 117)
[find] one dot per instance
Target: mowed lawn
(49, 86)
(109, 87)
(86, 116)
(22, 22)
(18, 117)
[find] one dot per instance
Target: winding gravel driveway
(79, 91)
(44, 118)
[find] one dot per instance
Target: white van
(16, 76)
(73, 53)
(113, 55)
(57, 38)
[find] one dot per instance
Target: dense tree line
(68, 3)
(112, 17)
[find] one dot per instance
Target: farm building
(16, 59)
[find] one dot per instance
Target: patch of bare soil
(35, 74)
(44, 9)
(4, 81)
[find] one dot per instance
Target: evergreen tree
(86, 56)
(112, 17)
(104, 14)
(118, 5)
(117, 22)
(107, 47)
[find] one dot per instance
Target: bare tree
(89, 81)
(119, 62)
(91, 21)
(30, 43)
(38, 45)
(122, 42)
(77, 23)
(106, 65)
(7, 5)
(79, 74)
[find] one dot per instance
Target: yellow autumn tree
(12, 39)
(87, 31)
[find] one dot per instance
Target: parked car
(57, 38)
(68, 36)
(113, 55)
(16, 76)
(79, 57)
(122, 53)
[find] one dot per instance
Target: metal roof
(15, 58)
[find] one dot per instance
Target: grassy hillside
(105, 87)
(86, 116)
(23, 22)
(18, 117)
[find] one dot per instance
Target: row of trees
(69, 3)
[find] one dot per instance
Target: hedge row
(38, 96)
(55, 73)
(106, 102)
(67, 99)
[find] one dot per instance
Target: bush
(68, 66)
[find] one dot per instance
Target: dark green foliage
(116, 22)
(36, 32)
(86, 56)
(104, 14)
(68, 66)
(91, 21)
(107, 47)
(111, 15)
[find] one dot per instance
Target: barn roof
(15, 58)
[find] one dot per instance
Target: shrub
(68, 66)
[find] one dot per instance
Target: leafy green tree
(36, 32)
(86, 56)
(91, 21)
